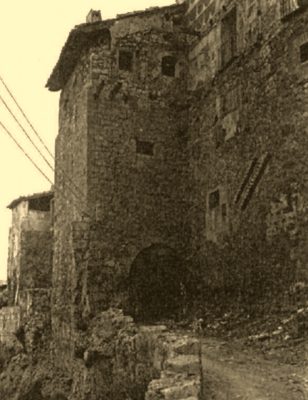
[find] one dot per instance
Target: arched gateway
(156, 284)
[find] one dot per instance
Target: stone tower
(121, 159)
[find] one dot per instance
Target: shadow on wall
(157, 285)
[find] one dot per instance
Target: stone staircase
(181, 370)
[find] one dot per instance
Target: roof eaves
(20, 199)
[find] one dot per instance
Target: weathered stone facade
(248, 125)
(30, 245)
(29, 265)
(122, 140)
(181, 184)
(182, 127)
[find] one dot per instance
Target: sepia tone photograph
(154, 200)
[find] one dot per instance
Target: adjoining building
(29, 267)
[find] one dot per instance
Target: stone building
(184, 132)
(29, 266)
(30, 245)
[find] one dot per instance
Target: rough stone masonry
(181, 182)
(184, 130)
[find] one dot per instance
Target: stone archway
(156, 284)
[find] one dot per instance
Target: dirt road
(234, 373)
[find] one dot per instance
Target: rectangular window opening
(126, 60)
(214, 199)
(224, 212)
(168, 66)
(144, 147)
(304, 52)
(39, 204)
(228, 37)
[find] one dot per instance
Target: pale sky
(32, 34)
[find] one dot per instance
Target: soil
(232, 370)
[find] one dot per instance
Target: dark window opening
(220, 135)
(228, 37)
(40, 204)
(125, 60)
(143, 147)
(304, 52)
(168, 66)
(230, 100)
(224, 211)
(214, 199)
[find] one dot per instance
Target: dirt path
(233, 374)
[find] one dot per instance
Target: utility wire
(26, 118)
(36, 147)
(35, 165)
(25, 132)
(25, 153)
(78, 190)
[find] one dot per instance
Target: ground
(233, 370)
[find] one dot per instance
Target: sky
(32, 34)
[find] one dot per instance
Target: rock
(189, 364)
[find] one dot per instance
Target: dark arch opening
(157, 284)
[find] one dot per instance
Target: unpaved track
(245, 374)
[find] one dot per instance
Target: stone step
(167, 373)
(158, 384)
(189, 346)
(189, 364)
(191, 398)
(185, 389)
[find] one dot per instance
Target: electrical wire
(26, 118)
(25, 153)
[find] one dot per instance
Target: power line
(26, 118)
(36, 147)
(65, 176)
(25, 153)
(25, 132)
(35, 165)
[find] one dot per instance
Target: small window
(125, 60)
(40, 204)
(304, 52)
(224, 212)
(214, 199)
(168, 66)
(143, 147)
(228, 37)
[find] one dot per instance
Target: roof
(79, 39)
(151, 10)
(82, 38)
(20, 199)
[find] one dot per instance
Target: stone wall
(30, 250)
(118, 359)
(35, 260)
(197, 170)
(228, 28)
(9, 324)
(248, 130)
(122, 141)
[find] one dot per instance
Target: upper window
(39, 204)
(228, 37)
(304, 52)
(125, 60)
(144, 147)
(168, 65)
(214, 199)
